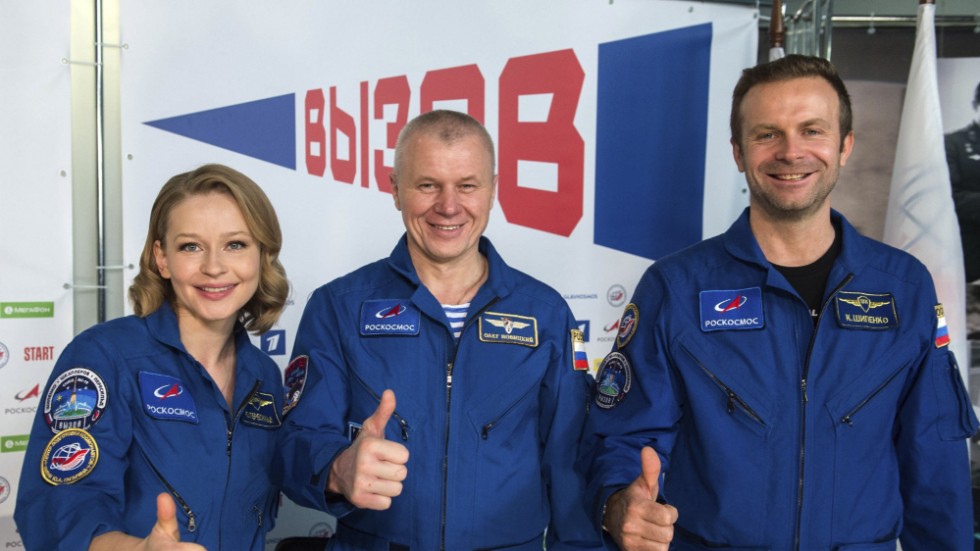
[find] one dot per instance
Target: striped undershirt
(456, 313)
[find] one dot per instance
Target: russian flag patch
(942, 333)
(580, 361)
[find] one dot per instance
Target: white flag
(921, 218)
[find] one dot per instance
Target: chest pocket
(723, 391)
(871, 399)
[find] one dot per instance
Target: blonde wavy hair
(150, 289)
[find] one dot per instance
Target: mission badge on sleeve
(69, 457)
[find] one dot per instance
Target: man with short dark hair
(791, 376)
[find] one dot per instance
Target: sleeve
(72, 483)
(633, 404)
(933, 461)
(564, 406)
(314, 430)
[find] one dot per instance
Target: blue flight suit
(491, 422)
(778, 433)
(148, 419)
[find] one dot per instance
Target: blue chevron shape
(263, 129)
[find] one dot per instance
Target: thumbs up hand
(634, 518)
(370, 472)
(165, 534)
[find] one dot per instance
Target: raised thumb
(650, 473)
(167, 516)
(375, 424)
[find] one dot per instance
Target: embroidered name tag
(260, 411)
(866, 310)
(509, 329)
(732, 310)
(165, 397)
(389, 317)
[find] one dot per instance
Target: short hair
(448, 126)
(149, 289)
(787, 68)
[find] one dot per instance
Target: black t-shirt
(811, 280)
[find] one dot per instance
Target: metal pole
(100, 162)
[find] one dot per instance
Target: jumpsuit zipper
(191, 517)
(804, 400)
(847, 417)
(729, 393)
(449, 396)
(230, 430)
(402, 423)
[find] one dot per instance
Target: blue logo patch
(165, 397)
(728, 310)
(866, 310)
(389, 317)
(613, 380)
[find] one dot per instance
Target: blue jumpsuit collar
(162, 325)
(855, 254)
(500, 281)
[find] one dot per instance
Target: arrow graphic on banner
(263, 129)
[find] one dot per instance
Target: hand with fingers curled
(633, 516)
(370, 472)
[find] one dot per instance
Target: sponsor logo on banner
(389, 317)
(75, 399)
(273, 342)
(4, 355)
(166, 398)
(731, 310)
(616, 295)
(23, 396)
(26, 309)
(26, 394)
(39, 354)
(4, 489)
(321, 530)
(15, 443)
(609, 332)
(580, 296)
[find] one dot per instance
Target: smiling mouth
(790, 177)
(216, 289)
(447, 228)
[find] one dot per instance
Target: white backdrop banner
(610, 119)
(35, 198)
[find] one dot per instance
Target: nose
(447, 203)
(790, 148)
(213, 264)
